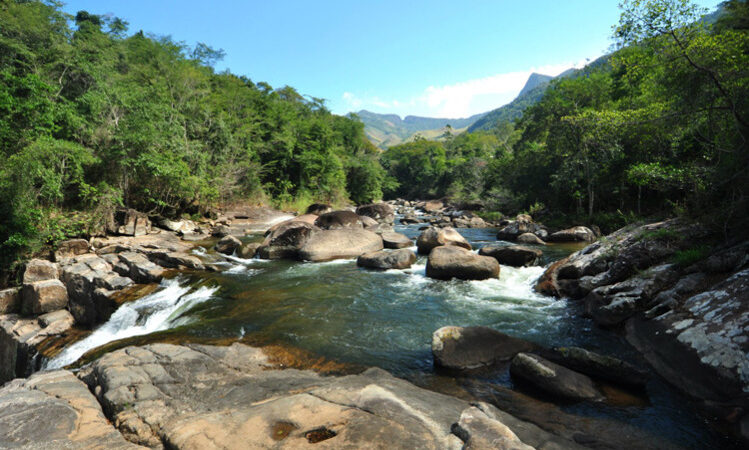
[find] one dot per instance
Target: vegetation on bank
(660, 128)
(93, 117)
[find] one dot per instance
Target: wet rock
(410, 219)
(40, 270)
(434, 237)
(286, 241)
(398, 259)
(175, 260)
(338, 219)
(530, 238)
(10, 300)
(514, 255)
(140, 269)
(248, 251)
(396, 240)
(54, 410)
(548, 283)
(128, 222)
(70, 249)
(598, 366)
(318, 209)
(574, 234)
(473, 347)
(446, 262)
(227, 245)
(381, 212)
(553, 378)
(220, 231)
(326, 245)
(41, 297)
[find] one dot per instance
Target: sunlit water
(379, 318)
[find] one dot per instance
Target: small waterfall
(154, 312)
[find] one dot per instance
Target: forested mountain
(386, 130)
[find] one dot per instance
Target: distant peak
(535, 80)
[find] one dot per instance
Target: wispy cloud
(457, 100)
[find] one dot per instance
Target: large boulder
(140, 269)
(574, 234)
(397, 259)
(473, 347)
(307, 218)
(381, 212)
(530, 238)
(326, 245)
(514, 255)
(285, 241)
(129, 222)
(336, 220)
(368, 222)
(42, 297)
(432, 206)
(553, 378)
(40, 270)
(70, 249)
(523, 225)
(248, 251)
(434, 237)
(318, 209)
(10, 300)
(227, 245)
(598, 366)
(448, 262)
(392, 239)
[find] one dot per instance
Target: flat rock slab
(473, 347)
(383, 260)
(225, 397)
(553, 378)
(326, 245)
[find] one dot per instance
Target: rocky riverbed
(439, 297)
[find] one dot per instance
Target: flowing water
(386, 319)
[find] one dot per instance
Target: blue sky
(431, 58)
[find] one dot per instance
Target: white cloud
(457, 100)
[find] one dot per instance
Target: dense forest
(92, 117)
(660, 128)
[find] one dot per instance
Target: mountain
(534, 81)
(386, 130)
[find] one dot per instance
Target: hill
(386, 130)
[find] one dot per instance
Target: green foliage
(687, 257)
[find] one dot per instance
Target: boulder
(227, 245)
(220, 231)
(392, 239)
(480, 431)
(10, 300)
(140, 269)
(248, 251)
(410, 219)
(336, 220)
(83, 276)
(318, 209)
(286, 240)
(129, 222)
(306, 218)
(448, 262)
(175, 260)
(514, 255)
(574, 234)
(177, 226)
(530, 238)
(513, 230)
(432, 206)
(397, 259)
(381, 212)
(473, 347)
(598, 366)
(70, 248)
(326, 245)
(368, 222)
(477, 222)
(45, 296)
(40, 270)
(434, 237)
(553, 378)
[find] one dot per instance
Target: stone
(530, 238)
(54, 410)
(553, 378)
(514, 255)
(40, 270)
(381, 212)
(410, 219)
(326, 245)
(368, 222)
(10, 300)
(71, 248)
(128, 222)
(336, 220)
(220, 231)
(44, 296)
(599, 366)
(446, 262)
(175, 260)
(227, 245)
(432, 206)
(463, 348)
(434, 237)
(479, 431)
(286, 241)
(140, 269)
(397, 259)
(574, 234)
(392, 239)
(85, 274)
(318, 209)
(306, 218)
(248, 251)
(512, 230)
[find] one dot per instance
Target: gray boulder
(397, 259)
(392, 239)
(598, 366)
(70, 249)
(381, 212)
(248, 251)
(514, 255)
(434, 237)
(45, 296)
(286, 241)
(574, 234)
(326, 245)
(464, 348)
(10, 300)
(553, 378)
(40, 270)
(336, 220)
(227, 245)
(140, 268)
(448, 262)
(318, 209)
(530, 238)
(128, 222)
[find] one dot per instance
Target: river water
(373, 318)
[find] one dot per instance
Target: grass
(689, 256)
